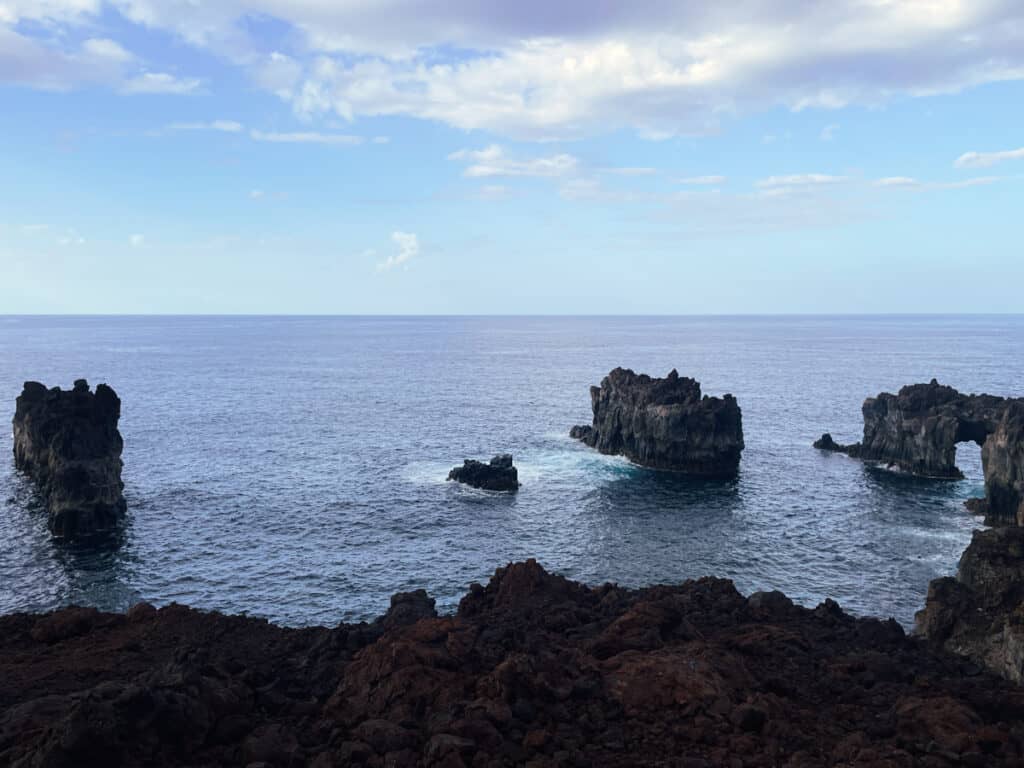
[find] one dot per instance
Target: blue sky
(401, 156)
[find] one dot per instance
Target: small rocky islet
(534, 669)
(497, 475)
(664, 424)
(68, 442)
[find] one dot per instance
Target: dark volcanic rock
(68, 442)
(532, 670)
(499, 475)
(664, 424)
(980, 613)
(917, 431)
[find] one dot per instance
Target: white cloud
(224, 126)
(548, 70)
(906, 182)
(307, 137)
(137, 241)
(160, 83)
(106, 49)
(987, 159)
(408, 248)
(702, 180)
(492, 161)
(828, 133)
(799, 180)
(630, 171)
(896, 181)
(71, 237)
(256, 194)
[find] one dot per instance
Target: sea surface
(294, 467)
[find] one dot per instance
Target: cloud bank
(539, 70)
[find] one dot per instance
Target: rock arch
(918, 429)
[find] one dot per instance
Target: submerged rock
(664, 424)
(68, 443)
(980, 613)
(498, 475)
(533, 669)
(917, 431)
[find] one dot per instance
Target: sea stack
(917, 431)
(664, 424)
(498, 475)
(69, 444)
(978, 613)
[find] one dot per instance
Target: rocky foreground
(532, 670)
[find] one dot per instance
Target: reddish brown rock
(532, 670)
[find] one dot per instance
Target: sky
(536, 157)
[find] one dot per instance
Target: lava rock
(68, 442)
(980, 613)
(664, 424)
(498, 475)
(917, 431)
(533, 669)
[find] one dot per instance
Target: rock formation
(918, 429)
(533, 670)
(980, 613)
(664, 424)
(499, 475)
(68, 442)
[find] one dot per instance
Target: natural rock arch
(918, 429)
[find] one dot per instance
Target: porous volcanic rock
(664, 424)
(980, 613)
(533, 669)
(498, 475)
(917, 431)
(68, 442)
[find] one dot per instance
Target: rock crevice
(67, 441)
(664, 424)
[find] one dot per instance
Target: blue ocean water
(294, 467)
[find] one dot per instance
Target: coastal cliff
(664, 424)
(533, 669)
(918, 429)
(69, 444)
(980, 612)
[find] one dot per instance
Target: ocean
(294, 467)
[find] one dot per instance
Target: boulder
(664, 424)
(498, 475)
(917, 431)
(980, 613)
(68, 443)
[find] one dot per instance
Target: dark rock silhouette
(498, 475)
(917, 431)
(980, 613)
(664, 424)
(533, 669)
(68, 442)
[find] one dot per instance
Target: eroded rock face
(980, 613)
(68, 442)
(533, 669)
(664, 424)
(917, 431)
(498, 475)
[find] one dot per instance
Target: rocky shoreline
(533, 670)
